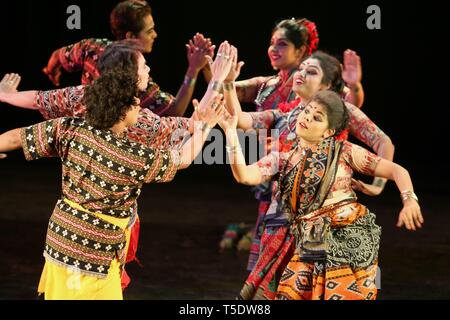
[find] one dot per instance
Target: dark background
(405, 63)
(405, 77)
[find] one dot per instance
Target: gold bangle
(228, 86)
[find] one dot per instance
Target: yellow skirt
(64, 283)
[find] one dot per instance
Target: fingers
(10, 82)
(3, 155)
(195, 103)
(411, 218)
(239, 67)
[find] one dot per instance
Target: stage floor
(182, 224)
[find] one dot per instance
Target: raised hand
(352, 70)
(212, 112)
(236, 66)
(9, 83)
(220, 68)
(198, 49)
(410, 216)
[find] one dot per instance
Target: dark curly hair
(111, 96)
(332, 71)
(120, 54)
(128, 16)
(335, 109)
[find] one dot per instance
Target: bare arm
(21, 99)
(245, 120)
(410, 215)
(370, 134)
(244, 174)
(211, 107)
(10, 140)
(198, 51)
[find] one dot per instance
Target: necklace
(262, 95)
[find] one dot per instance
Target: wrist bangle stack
(408, 194)
(232, 149)
(216, 86)
(190, 82)
(228, 86)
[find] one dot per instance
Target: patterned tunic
(150, 130)
(101, 173)
(84, 55)
(353, 158)
(271, 91)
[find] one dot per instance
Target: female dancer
(293, 41)
(318, 240)
(320, 71)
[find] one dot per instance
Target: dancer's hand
(9, 83)
(221, 66)
(53, 69)
(352, 70)
(410, 216)
(368, 189)
(228, 121)
(3, 155)
(235, 69)
(198, 51)
(212, 113)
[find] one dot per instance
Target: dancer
(318, 240)
(86, 241)
(150, 130)
(293, 41)
(132, 20)
(320, 71)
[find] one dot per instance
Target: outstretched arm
(365, 162)
(211, 107)
(10, 140)
(197, 51)
(370, 134)
(244, 174)
(410, 216)
(21, 99)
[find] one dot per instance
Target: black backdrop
(405, 63)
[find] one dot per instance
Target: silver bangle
(190, 82)
(232, 148)
(408, 194)
(216, 86)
